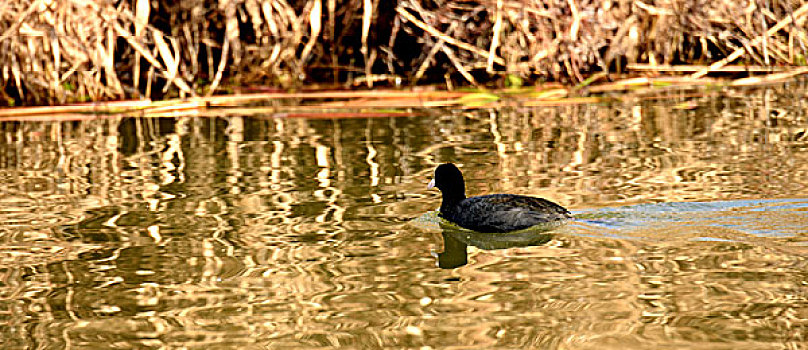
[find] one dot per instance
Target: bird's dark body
(493, 212)
(503, 212)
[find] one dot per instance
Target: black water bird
(493, 212)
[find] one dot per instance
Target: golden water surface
(275, 232)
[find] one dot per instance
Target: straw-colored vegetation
(74, 50)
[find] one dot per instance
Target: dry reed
(55, 52)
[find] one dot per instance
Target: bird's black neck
(450, 200)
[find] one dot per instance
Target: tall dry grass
(76, 50)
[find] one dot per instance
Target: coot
(493, 212)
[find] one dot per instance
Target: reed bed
(56, 52)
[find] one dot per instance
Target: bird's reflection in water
(456, 241)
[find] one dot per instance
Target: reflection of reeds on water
(280, 223)
(307, 175)
(303, 174)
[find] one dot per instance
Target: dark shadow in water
(454, 253)
(457, 240)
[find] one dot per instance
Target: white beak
(431, 184)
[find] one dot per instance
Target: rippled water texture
(277, 232)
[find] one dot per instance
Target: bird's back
(505, 212)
